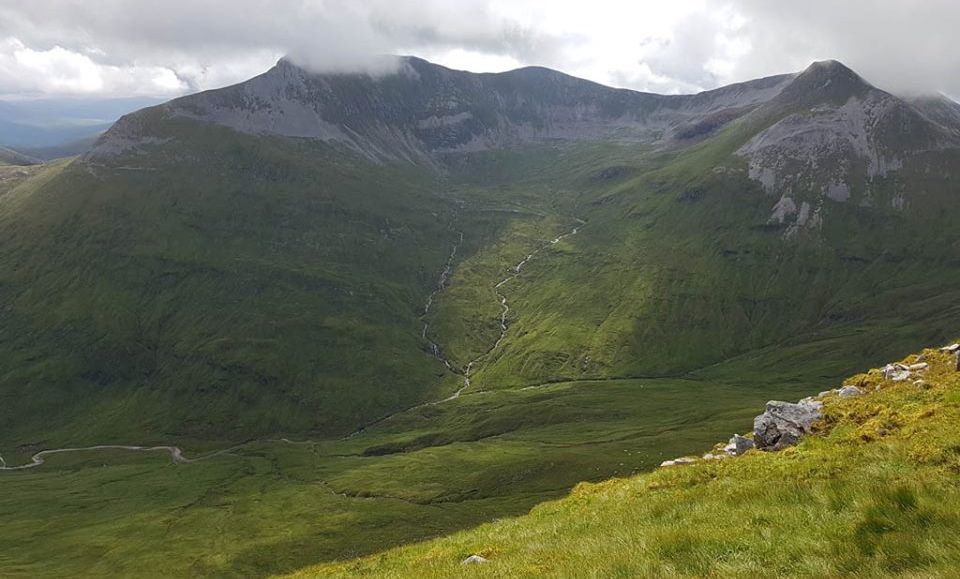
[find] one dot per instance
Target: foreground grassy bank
(875, 493)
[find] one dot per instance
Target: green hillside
(260, 300)
(874, 493)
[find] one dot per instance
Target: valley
(455, 310)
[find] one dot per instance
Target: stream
(176, 454)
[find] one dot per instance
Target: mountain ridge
(437, 110)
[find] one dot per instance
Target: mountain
(414, 302)
(838, 138)
(425, 109)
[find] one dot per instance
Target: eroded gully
(467, 371)
(176, 454)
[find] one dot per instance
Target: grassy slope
(271, 507)
(668, 245)
(246, 288)
(679, 245)
(874, 493)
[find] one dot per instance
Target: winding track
(176, 454)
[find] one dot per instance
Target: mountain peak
(826, 81)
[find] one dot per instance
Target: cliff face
(830, 135)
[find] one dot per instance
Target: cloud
(212, 42)
(25, 71)
(903, 46)
(126, 47)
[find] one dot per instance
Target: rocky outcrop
(784, 423)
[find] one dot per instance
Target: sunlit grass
(875, 493)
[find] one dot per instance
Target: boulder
(784, 423)
(849, 391)
(474, 560)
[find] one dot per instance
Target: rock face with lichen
(784, 423)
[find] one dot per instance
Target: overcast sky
(114, 48)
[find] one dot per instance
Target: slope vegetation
(873, 493)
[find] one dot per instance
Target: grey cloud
(902, 46)
(327, 34)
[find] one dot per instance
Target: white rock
(678, 461)
(849, 391)
(950, 348)
(474, 560)
(916, 367)
(896, 372)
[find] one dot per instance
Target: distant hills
(11, 157)
(41, 127)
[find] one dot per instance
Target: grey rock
(474, 560)
(741, 444)
(896, 372)
(784, 423)
(849, 391)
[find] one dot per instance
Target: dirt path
(176, 454)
